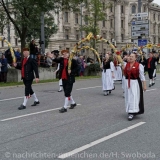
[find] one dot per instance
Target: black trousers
(150, 73)
(67, 87)
(28, 87)
(4, 77)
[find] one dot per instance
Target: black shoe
(109, 92)
(150, 85)
(35, 103)
(21, 107)
(130, 117)
(62, 110)
(72, 106)
(153, 84)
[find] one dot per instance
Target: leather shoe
(35, 103)
(72, 106)
(62, 110)
(21, 107)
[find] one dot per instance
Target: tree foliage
(25, 16)
(96, 12)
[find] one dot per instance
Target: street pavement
(96, 129)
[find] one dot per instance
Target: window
(103, 6)
(122, 24)
(104, 23)
(66, 16)
(122, 9)
(144, 8)
(111, 8)
(77, 36)
(86, 20)
(2, 30)
(111, 23)
(133, 9)
(154, 28)
(122, 36)
(111, 36)
(16, 41)
(67, 34)
(154, 40)
(159, 30)
(104, 35)
(154, 16)
(2, 42)
(76, 18)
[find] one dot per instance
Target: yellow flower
(149, 46)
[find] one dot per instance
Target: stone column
(157, 33)
(118, 21)
(126, 34)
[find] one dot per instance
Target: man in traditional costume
(150, 67)
(68, 78)
(107, 75)
(56, 53)
(28, 67)
(156, 63)
(134, 73)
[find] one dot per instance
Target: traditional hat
(25, 49)
(64, 51)
(55, 51)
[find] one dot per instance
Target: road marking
(26, 115)
(151, 90)
(10, 99)
(69, 154)
(88, 87)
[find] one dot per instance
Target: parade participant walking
(117, 70)
(134, 73)
(150, 67)
(4, 69)
(56, 53)
(28, 67)
(156, 57)
(68, 78)
(107, 75)
(125, 61)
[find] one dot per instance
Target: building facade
(116, 28)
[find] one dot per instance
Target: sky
(157, 1)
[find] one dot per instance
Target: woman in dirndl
(107, 75)
(134, 86)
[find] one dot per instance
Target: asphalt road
(96, 129)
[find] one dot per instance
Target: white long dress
(132, 94)
(123, 78)
(117, 73)
(107, 80)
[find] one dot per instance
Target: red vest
(131, 72)
(64, 71)
(22, 70)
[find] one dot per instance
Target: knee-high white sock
(150, 81)
(25, 101)
(60, 88)
(72, 101)
(66, 103)
(35, 97)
